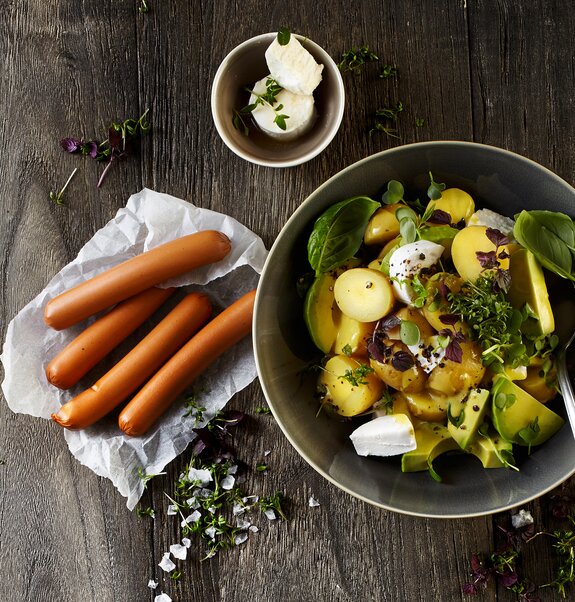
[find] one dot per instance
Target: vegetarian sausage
(105, 334)
(134, 276)
(156, 396)
(138, 365)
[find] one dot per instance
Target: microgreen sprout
(57, 197)
(144, 7)
(263, 410)
(388, 72)
(273, 502)
(419, 122)
(269, 98)
(355, 59)
(194, 409)
(356, 377)
(146, 478)
(261, 467)
(176, 575)
(435, 189)
(141, 512)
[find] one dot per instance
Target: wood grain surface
(500, 72)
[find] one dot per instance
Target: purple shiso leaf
(496, 237)
(71, 145)
(402, 361)
(449, 319)
(454, 352)
(440, 217)
(487, 259)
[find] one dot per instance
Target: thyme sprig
(355, 59)
(269, 98)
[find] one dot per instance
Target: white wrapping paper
(148, 220)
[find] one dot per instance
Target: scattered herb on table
(119, 144)
(143, 7)
(384, 118)
(194, 409)
(355, 59)
(419, 122)
(263, 410)
(141, 512)
(261, 467)
(388, 72)
(501, 565)
(57, 197)
(146, 478)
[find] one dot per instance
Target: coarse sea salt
(166, 564)
(228, 482)
(200, 474)
(210, 532)
(521, 519)
(172, 510)
(238, 509)
(240, 538)
(193, 518)
(162, 598)
(267, 452)
(152, 584)
(233, 469)
(270, 514)
(186, 542)
(179, 551)
(242, 524)
(253, 528)
(313, 502)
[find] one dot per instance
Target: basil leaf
(550, 237)
(409, 333)
(338, 233)
(284, 36)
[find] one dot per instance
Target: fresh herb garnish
(141, 512)
(390, 112)
(146, 478)
(144, 7)
(550, 236)
(419, 122)
(176, 575)
(409, 333)
(57, 197)
(389, 71)
(261, 467)
(269, 98)
(273, 502)
(435, 189)
(383, 117)
(263, 410)
(347, 350)
(118, 145)
(283, 36)
(194, 409)
(356, 377)
(355, 59)
(338, 233)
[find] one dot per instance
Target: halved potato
(363, 294)
(452, 377)
(383, 225)
(410, 380)
(458, 203)
(352, 336)
(348, 390)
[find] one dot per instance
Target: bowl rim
(325, 140)
(258, 302)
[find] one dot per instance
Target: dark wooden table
(500, 72)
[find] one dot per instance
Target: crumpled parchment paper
(148, 220)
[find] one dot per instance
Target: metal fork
(565, 382)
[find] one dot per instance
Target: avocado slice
(432, 439)
(528, 287)
(492, 450)
(519, 417)
(321, 314)
(465, 417)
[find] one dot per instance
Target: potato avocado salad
(436, 324)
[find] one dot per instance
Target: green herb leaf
(355, 59)
(338, 233)
(435, 189)
(394, 193)
(419, 122)
(409, 333)
(438, 233)
(284, 35)
(550, 236)
(356, 377)
(389, 71)
(347, 350)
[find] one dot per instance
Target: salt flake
(242, 524)
(166, 564)
(228, 482)
(210, 532)
(313, 502)
(521, 519)
(187, 542)
(200, 474)
(172, 510)
(162, 598)
(270, 514)
(253, 528)
(180, 552)
(267, 452)
(193, 518)
(233, 469)
(240, 538)
(152, 584)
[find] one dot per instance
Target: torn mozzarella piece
(428, 354)
(407, 261)
(385, 436)
(293, 67)
(299, 109)
(492, 219)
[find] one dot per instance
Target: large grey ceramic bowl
(497, 179)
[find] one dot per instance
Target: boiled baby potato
(352, 336)
(411, 314)
(410, 380)
(466, 244)
(537, 384)
(458, 203)
(353, 394)
(363, 294)
(383, 225)
(452, 377)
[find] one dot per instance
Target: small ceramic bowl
(244, 66)
(497, 179)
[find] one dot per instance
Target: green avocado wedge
(432, 439)
(528, 287)
(492, 450)
(321, 313)
(519, 417)
(465, 417)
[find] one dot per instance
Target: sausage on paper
(138, 365)
(136, 275)
(156, 396)
(92, 345)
